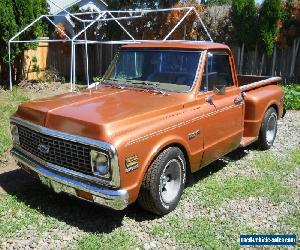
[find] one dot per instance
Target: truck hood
(98, 114)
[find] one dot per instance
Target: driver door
(223, 114)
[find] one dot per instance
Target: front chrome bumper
(113, 198)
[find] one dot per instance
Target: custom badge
(131, 163)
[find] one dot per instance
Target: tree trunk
(19, 67)
(4, 75)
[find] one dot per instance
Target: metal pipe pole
(176, 26)
(203, 25)
(87, 59)
(39, 40)
(74, 44)
(71, 71)
(74, 66)
(122, 27)
(64, 10)
(28, 26)
(132, 11)
(86, 27)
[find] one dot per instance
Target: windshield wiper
(156, 89)
(111, 82)
(150, 86)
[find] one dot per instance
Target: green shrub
(9, 101)
(292, 96)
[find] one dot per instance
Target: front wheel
(164, 182)
(268, 129)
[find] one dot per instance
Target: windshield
(157, 69)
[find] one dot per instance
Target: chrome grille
(61, 152)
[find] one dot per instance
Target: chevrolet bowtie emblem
(43, 148)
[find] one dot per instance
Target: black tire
(268, 130)
(153, 194)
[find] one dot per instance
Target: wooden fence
(283, 62)
(57, 57)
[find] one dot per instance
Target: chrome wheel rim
(170, 181)
(271, 128)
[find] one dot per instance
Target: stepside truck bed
(260, 93)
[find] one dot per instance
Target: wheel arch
(276, 107)
(271, 104)
(166, 143)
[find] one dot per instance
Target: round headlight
(15, 134)
(100, 163)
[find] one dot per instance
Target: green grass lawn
(204, 232)
(117, 240)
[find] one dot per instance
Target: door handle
(238, 100)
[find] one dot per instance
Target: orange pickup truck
(162, 110)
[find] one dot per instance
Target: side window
(217, 72)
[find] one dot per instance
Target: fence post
(262, 64)
(238, 58)
(240, 70)
(273, 61)
(295, 52)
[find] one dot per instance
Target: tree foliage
(219, 23)
(189, 29)
(147, 27)
(270, 14)
(290, 29)
(14, 16)
(219, 2)
(8, 27)
(244, 18)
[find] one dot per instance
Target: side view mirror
(219, 90)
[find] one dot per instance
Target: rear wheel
(268, 129)
(163, 183)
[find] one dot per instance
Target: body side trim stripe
(145, 137)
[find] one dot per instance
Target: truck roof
(193, 45)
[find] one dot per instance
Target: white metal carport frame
(100, 16)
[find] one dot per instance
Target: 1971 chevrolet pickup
(162, 110)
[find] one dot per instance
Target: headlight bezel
(95, 155)
(14, 132)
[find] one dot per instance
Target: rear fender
(257, 102)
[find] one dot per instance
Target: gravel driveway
(58, 221)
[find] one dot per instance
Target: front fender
(147, 151)
(164, 143)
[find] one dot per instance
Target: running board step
(247, 141)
